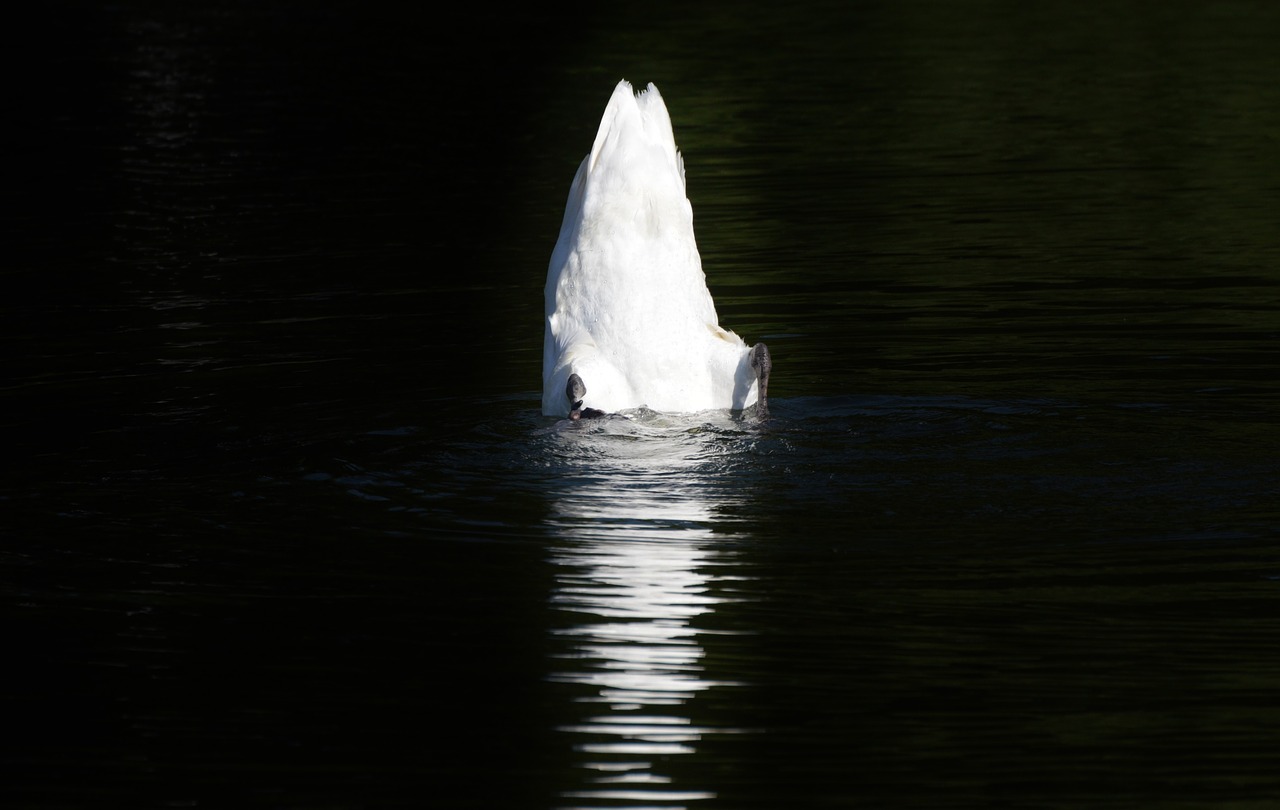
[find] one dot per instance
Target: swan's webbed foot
(575, 390)
(762, 363)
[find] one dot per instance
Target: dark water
(282, 525)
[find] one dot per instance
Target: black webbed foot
(763, 364)
(575, 390)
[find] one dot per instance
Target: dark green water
(282, 525)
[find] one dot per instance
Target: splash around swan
(630, 322)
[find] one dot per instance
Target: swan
(629, 320)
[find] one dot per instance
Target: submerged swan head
(629, 320)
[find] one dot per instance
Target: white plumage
(627, 305)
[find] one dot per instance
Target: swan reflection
(638, 571)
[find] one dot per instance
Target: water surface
(282, 525)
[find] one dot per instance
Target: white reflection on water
(639, 568)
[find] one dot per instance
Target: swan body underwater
(630, 322)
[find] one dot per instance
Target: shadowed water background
(282, 524)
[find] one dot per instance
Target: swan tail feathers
(634, 122)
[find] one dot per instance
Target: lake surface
(282, 525)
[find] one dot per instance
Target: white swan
(629, 320)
